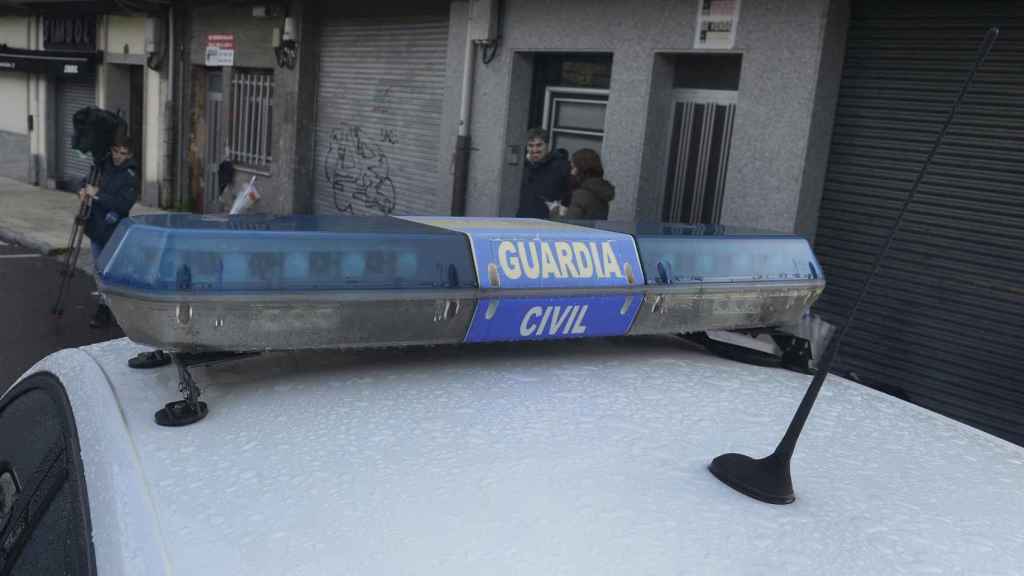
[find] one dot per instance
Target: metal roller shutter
(379, 109)
(943, 325)
(72, 95)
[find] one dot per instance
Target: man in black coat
(545, 177)
(111, 202)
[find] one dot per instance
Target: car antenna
(768, 479)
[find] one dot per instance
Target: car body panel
(581, 457)
(126, 533)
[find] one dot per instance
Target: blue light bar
(225, 254)
(684, 253)
(186, 282)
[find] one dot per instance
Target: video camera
(95, 131)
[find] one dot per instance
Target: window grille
(252, 96)
(574, 117)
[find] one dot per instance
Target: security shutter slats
(381, 91)
(994, 198)
(922, 358)
(918, 126)
(943, 325)
(974, 299)
(72, 95)
(947, 399)
(931, 242)
(968, 260)
(868, 218)
(897, 368)
(971, 295)
(1004, 172)
(972, 310)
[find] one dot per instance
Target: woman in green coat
(592, 193)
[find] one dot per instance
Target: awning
(57, 62)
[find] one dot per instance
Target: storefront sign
(220, 50)
(56, 62)
(716, 24)
(69, 33)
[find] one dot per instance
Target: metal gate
(699, 145)
(382, 83)
(943, 325)
(72, 95)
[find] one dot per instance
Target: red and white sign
(220, 49)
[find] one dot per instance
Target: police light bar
(712, 277)
(191, 283)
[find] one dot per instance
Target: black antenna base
(766, 479)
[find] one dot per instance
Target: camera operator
(111, 202)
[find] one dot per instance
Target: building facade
(58, 58)
(811, 116)
(366, 119)
(627, 74)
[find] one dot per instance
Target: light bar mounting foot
(189, 410)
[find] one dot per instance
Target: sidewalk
(41, 219)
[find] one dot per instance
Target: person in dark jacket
(592, 193)
(111, 202)
(545, 177)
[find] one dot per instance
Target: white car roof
(575, 457)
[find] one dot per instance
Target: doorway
(699, 110)
(214, 139)
(570, 98)
(699, 145)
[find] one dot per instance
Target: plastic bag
(246, 199)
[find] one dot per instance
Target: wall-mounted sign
(220, 49)
(69, 33)
(716, 24)
(524, 253)
(508, 319)
(56, 62)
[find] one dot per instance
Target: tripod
(74, 247)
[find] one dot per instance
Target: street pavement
(41, 219)
(34, 227)
(28, 289)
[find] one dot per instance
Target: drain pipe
(183, 101)
(169, 171)
(463, 141)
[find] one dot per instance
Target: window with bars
(252, 97)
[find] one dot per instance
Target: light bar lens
(683, 253)
(727, 259)
(180, 252)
